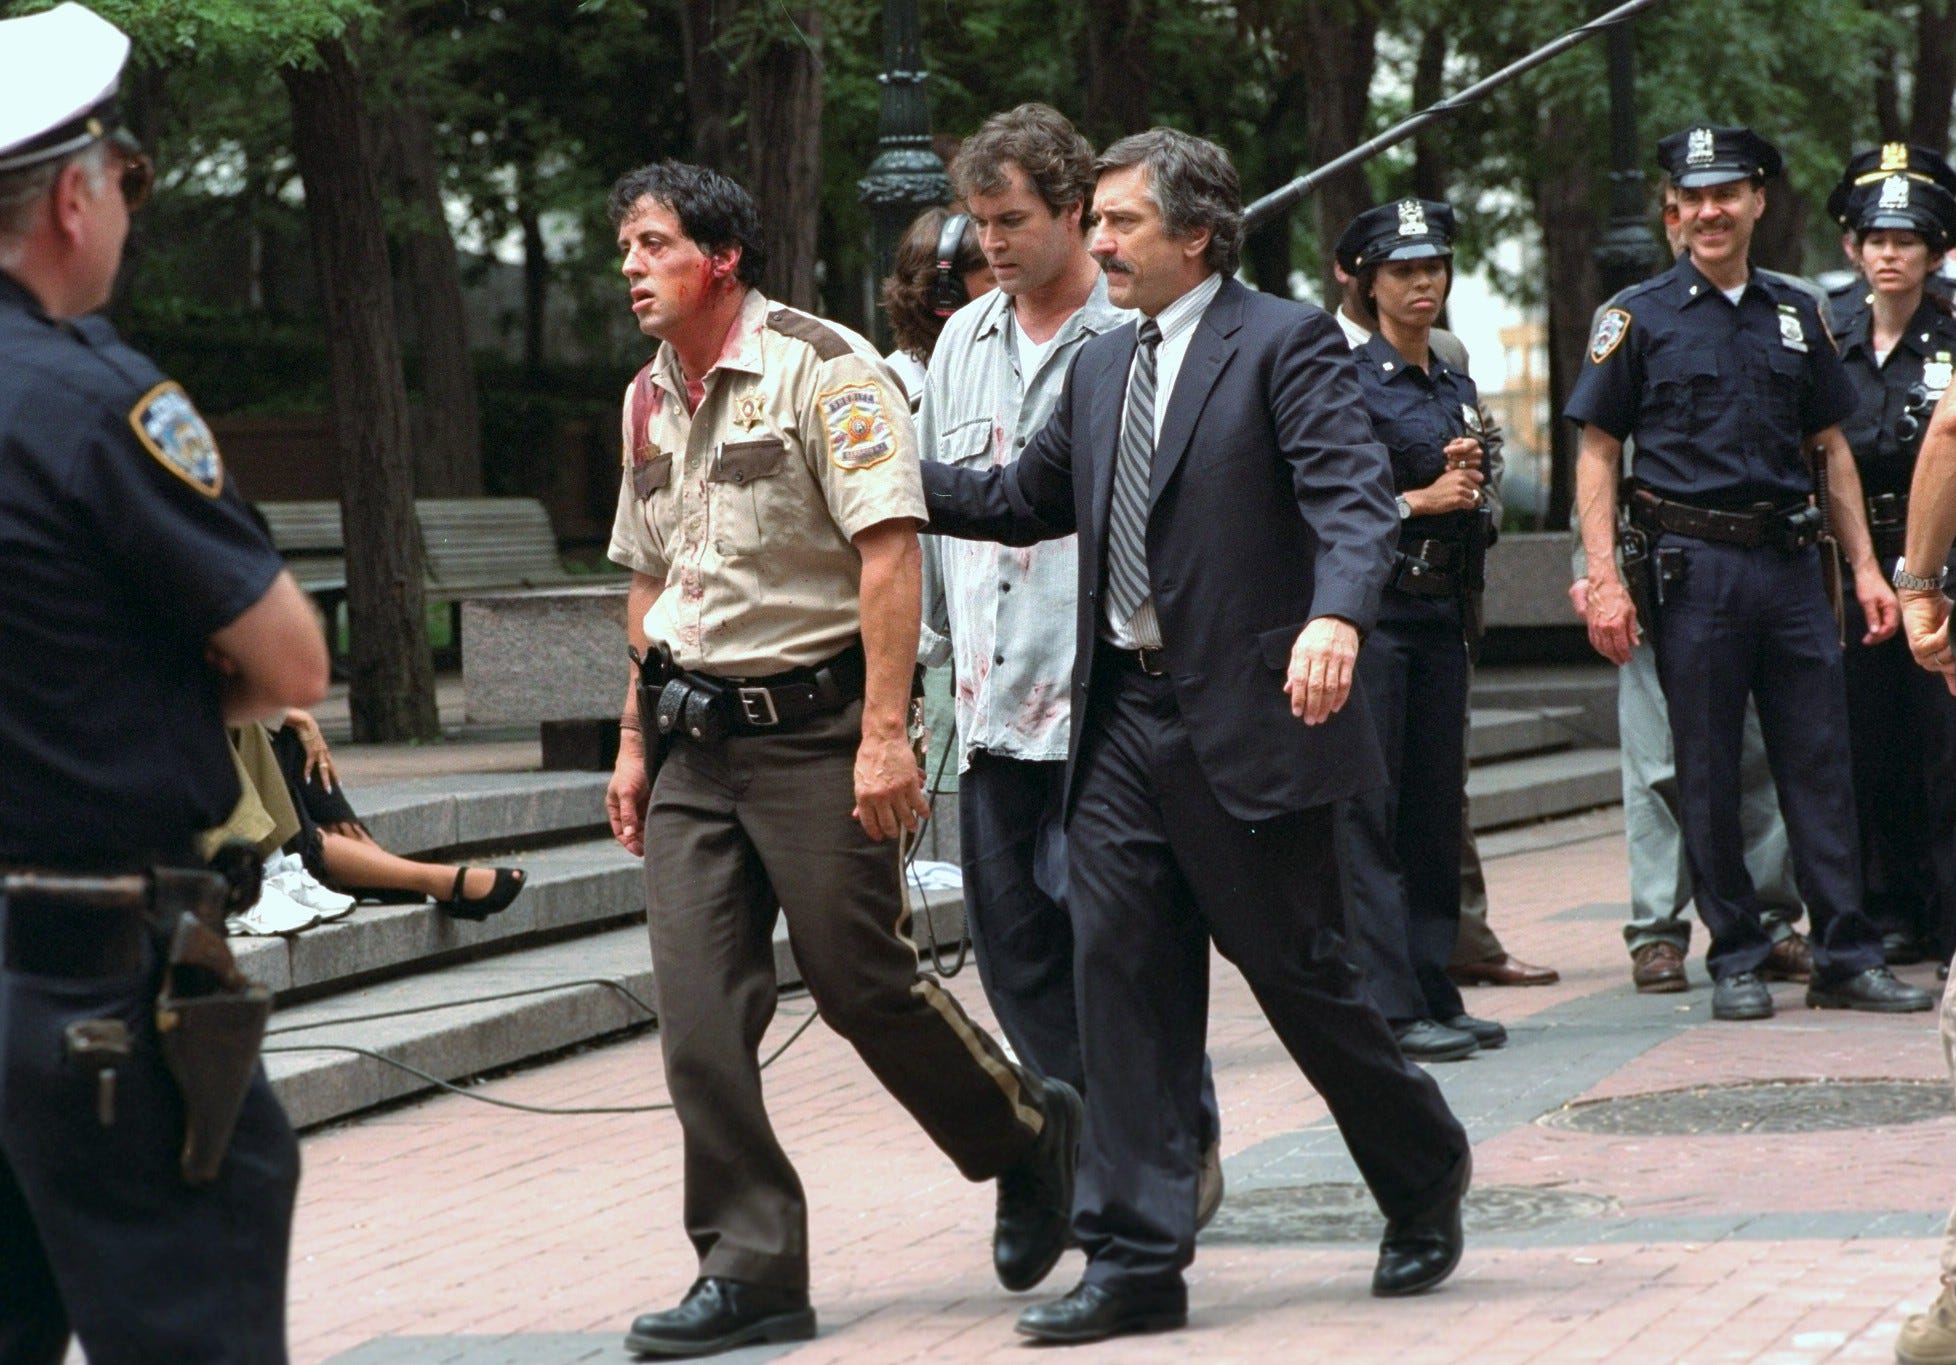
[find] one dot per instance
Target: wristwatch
(1405, 508)
(1909, 582)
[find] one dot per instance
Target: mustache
(1114, 265)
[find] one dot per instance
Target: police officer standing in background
(768, 512)
(1898, 343)
(1725, 377)
(1401, 843)
(143, 609)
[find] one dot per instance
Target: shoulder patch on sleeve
(170, 428)
(828, 343)
(856, 420)
(1611, 329)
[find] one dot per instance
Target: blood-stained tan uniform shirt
(745, 509)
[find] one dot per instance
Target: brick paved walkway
(448, 1231)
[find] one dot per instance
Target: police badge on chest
(1791, 334)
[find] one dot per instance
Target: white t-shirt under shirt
(1032, 354)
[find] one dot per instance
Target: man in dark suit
(1234, 539)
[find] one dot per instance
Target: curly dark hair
(907, 291)
(1039, 140)
(713, 210)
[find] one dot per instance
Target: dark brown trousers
(735, 831)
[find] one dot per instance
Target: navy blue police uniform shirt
(1908, 385)
(123, 547)
(1719, 396)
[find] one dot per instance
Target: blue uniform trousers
(99, 1235)
(1013, 852)
(1755, 622)
(1400, 844)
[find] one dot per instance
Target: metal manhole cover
(1757, 1107)
(1279, 1214)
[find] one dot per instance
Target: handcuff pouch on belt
(1888, 526)
(1428, 568)
(694, 706)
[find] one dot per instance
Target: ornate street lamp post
(906, 177)
(1626, 253)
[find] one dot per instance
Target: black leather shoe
(1486, 1032)
(717, 1315)
(1429, 1040)
(1875, 990)
(1094, 1312)
(1419, 1252)
(1035, 1198)
(1743, 996)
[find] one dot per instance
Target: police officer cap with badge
(1726, 378)
(144, 609)
(1871, 167)
(1404, 230)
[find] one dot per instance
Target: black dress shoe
(1875, 990)
(1429, 1040)
(1094, 1312)
(1209, 1186)
(1419, 1252)
(1743, 996)
(1485, 1032)
(1035, 1197)
(717, 1315)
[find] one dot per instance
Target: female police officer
(1898, 342)
(1401, 846)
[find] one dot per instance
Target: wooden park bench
(472, 545)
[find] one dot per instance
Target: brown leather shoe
(1790, 960)
(1505, 970)
(1658, 969)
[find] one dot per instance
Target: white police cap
(58, 72)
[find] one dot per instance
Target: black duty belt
(82, 927)
(1427, 568)
(1888, 524)
(1781, 528)
(705, 707)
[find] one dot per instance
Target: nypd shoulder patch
(171, 430)
(1611, 328)
(855, 418)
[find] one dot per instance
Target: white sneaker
(275, 913)
(288, 873)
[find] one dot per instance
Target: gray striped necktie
(1127, 520)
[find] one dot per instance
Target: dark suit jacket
(1270, 504)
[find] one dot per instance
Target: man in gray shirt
(1004, 616)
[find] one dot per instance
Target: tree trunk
(1429, 151)
(393, 674)
(1336, 56)
(1568, 216)
(536, 275)
(710, 93)
(448, 432)
(1120, 75)
(784, 111)
(1779, 241)
(1935, 74)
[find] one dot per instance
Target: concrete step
(565, 1004)
(414, 816)
(1589, 689)
(1537, 788)
(1494, 733)
(590, 883)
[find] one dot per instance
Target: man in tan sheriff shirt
(769, 512)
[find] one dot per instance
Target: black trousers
(99, 1236)
(1902, 737)
(1159, 869)
(1400, 844)
(1756, 623)
(1013, 850)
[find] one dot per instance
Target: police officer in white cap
(143, 610)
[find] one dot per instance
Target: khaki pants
(733, 832)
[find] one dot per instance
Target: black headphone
(947, 291)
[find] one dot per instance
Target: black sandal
(509, 881)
